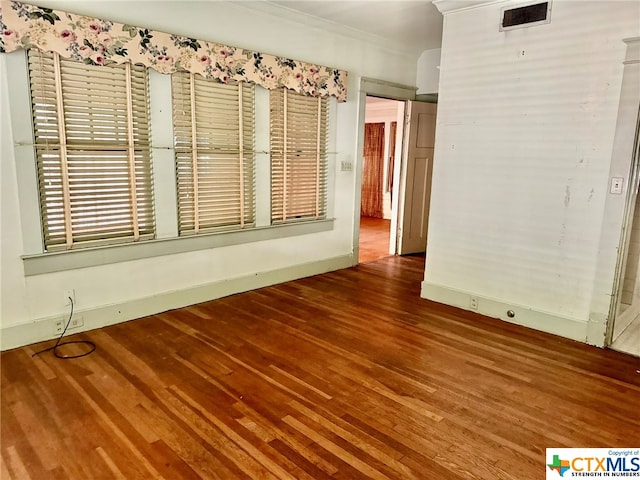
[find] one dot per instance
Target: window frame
(94, 162)
(299, 145)
(37, 262)
(204, 143)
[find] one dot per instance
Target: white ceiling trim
(448, 6)
(312, 21)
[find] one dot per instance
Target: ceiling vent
(526, 15)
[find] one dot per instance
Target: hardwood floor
(374, 239)
(345, 375)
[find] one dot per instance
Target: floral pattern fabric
(102, 42)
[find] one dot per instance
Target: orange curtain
(372, 172)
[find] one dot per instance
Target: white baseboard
(43, 328)
(567, 327)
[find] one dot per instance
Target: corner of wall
(428, 72)
(43, 329)
(567, 327)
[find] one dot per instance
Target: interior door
(416, 177)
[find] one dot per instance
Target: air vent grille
(525, 16)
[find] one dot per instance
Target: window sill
(90, 257)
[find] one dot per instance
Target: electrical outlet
(473, 303)
(71, 293)
(76, 322)
(58, 327)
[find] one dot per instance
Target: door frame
(625, 234)
(382, 89)
(615, 217)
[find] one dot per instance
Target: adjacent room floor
(629, 339)
(374, 239)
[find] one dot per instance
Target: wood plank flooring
(374, 239)
(346, 375)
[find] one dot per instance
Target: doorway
(623, 329)
(382, 153)
(625, 334)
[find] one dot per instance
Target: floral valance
(102, 42)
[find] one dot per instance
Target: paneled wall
(525, 131)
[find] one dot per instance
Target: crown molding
(311, 21)
(448, 6)
(633, 50)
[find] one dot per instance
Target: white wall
(428, 74)
(525, 129)
(125, 290)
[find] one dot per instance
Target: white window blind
(91, 126)
(214, 144)
(299, 131)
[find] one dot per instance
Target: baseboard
(567, 327)
(43, 329)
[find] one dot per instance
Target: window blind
(214, 144)
(299, 131)
(91, 127)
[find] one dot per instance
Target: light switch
(616, 185)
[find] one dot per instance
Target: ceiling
(412, 25)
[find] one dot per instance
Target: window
(214, 144)
(299, 132)
(91, 127)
